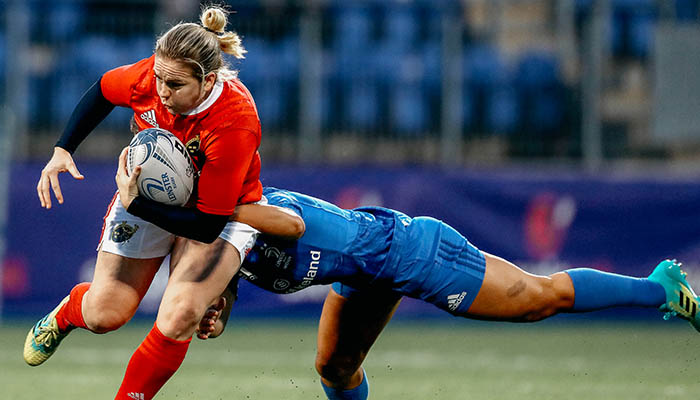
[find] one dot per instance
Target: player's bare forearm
(270, 220)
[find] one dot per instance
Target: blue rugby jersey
(349, 246)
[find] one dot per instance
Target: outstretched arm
(270, 220)
(90, 111)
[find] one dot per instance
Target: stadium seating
(382, 63)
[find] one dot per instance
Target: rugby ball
(167, 173)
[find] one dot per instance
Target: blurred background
(555, 133)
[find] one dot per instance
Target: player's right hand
(61, 161)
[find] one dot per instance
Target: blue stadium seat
(83, 62)
(287, 51)
(137, 48)
(67, 18)
(400, 29)
(263, 71)
(353, 29)
(362, 105)
(408, 109)
(97, 54)
(483, 66)
(3, 58)
(65, 94)
(270, 103)
(536, 70)
(409, 105)
(539, 86)
(641, 35)
(254, 66)
(632, 23)
(687, 10)
(502, 110)
(483, 72)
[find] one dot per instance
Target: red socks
(153, 363)
(71, 314)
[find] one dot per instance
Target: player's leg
(118, 286)
(131, 253)
(350, 324)
(199, 274)
(468, 282)
(509, 293)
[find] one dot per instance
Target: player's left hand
(128, 190)
(210, 326)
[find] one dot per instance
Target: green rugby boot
(681, 300)
(44, 337)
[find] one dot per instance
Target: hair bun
(214, 19)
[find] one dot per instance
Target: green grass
(452, 360)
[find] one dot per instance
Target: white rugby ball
(167, 173)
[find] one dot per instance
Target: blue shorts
(433, 262)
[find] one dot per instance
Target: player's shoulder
(233, 110)
(236, 99)
(136, 73)
(120, 85)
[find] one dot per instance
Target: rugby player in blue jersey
(373, 256)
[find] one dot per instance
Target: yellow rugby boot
(44, 337)
(681, 300)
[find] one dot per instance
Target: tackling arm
(270, 220)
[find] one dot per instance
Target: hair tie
(213, 31)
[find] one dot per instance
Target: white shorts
(127, 235)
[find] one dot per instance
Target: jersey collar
(213, 96)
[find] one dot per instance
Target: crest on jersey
(150, 117)
(123, 232)
(192, 146)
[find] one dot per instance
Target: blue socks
(596, 290)
(359, 393)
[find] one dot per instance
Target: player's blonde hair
(201, 46)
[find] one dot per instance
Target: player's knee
(179, 320)
(105, 320)
(102, 313)
(338, 371)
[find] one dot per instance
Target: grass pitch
(411, 360)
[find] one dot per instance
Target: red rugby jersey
(222, 134)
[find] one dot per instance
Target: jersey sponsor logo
(123, 232)
(280, 284)
(150, 117)
(136, 396)
(310, 273)
(454, 300)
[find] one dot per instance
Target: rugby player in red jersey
(186, 88)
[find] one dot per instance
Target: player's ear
(209, 81)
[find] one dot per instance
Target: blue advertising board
(542, 221)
